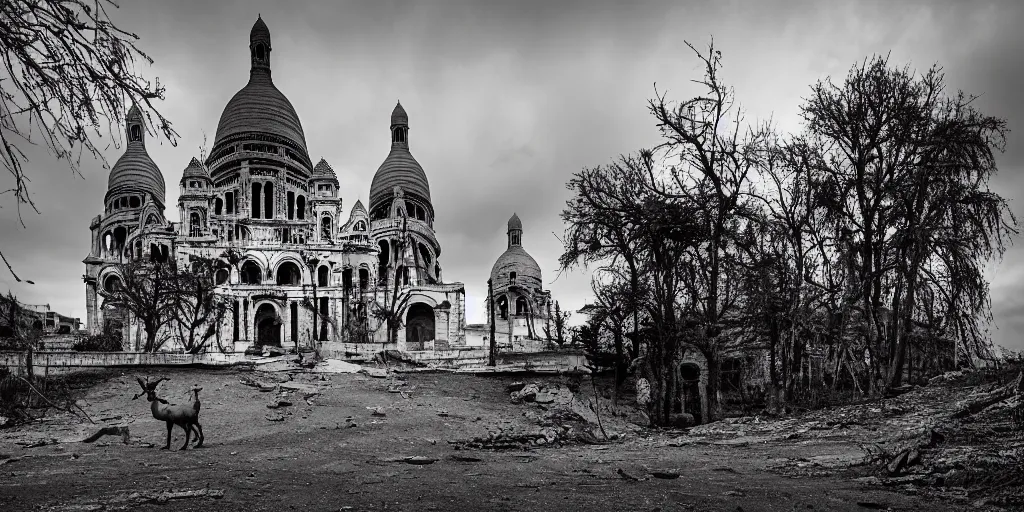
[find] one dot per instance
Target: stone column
(92, 323)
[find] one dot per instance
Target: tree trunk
(714, 388)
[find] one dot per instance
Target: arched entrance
(689, 376)
(268, 326)
(419, 326)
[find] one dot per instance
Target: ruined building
(260, 197)
(522, 307)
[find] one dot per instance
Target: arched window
(260, 53)
(522, 307)
(268, 201)
(112, 284)
(503, 307)
(136, 133)
(511, 278)
(250, 273)
(291, 205)
(346, 279)
(134, 202)
(256, 200)
(218, 206)
(360, 226)
(399, 134)
(325, 228)
(195, 225)
(322, 275)
(120, 234)
(383, 258)
(364, 278)
(222, 276)
(229, 202)
(300, 207)
(288, 274)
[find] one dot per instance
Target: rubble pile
(557, 415)
(950, 439)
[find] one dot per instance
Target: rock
(527, 394)
(295, 386)
(377, 411)
(377, 373)
(336, 366)
(515, 386)
(897, 464)
(544, 398)
(665, 475)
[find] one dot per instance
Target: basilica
(296, 268)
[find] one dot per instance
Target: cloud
(506, 100)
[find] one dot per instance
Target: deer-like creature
(185, 416)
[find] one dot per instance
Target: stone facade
(298, 272)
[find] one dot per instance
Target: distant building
(39, 318)
(522, 307)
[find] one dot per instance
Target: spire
(135, 126)
(399, 127)
(515, 231)
(259, 46)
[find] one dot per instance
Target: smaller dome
(515, 223)
(517, 260)
(260, 31)
(398, 116)
(135, 171)
(195, 169)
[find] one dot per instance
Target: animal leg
(188, 432)
(169, 427)
(200, 436)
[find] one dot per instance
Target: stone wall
(65, 361)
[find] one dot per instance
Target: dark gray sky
(506, 100)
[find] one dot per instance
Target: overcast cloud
(506, 100)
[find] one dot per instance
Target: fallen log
(110, 431)
(989, 399)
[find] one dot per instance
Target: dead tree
(68, 70)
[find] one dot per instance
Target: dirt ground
(330, 449)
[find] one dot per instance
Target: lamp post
(490, 308)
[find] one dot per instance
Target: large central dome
(260, 107)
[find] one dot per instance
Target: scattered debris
(377, 411)
(336, 366)
(419, 460)
(377, 373)
(627, 476)
(130, 500)
(665, 475)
